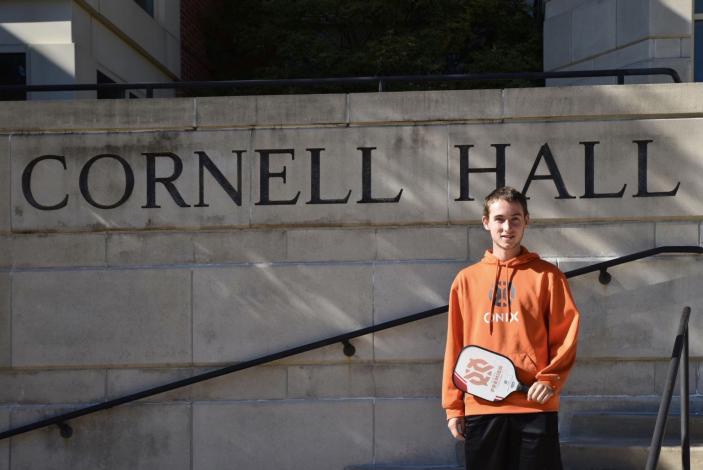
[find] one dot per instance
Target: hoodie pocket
(525, 367)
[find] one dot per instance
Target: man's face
(506, 222)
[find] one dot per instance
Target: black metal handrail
(66, 431)
(380, 81)
(679, 355)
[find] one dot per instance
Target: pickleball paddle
(486, 374)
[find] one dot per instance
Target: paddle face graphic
(486, 374)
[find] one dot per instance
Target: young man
(520, 306)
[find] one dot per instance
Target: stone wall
(611, 34)
(194, 268)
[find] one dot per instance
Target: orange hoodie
(521, 308)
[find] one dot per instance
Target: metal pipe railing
(66, 431)
(380, 82)
(679, 355)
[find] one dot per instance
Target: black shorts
(525, 441)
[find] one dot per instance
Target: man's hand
(456, 427)
(540, 392)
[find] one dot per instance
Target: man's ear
(484, 219)
(527, 220)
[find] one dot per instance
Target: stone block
(632, 21)
(149, 248)
(676, 233)
(52, 386)
(271, 110)
(422, 243)
(206, 205)
(4, 444)
(661, 373)
(120, 382)
(144, 436)
(611, 378)
(242, 313)
(616, 154)
(594, 26)
(686, 47)
(404, 289)
(322, 434)
(6, 184)
(557, 44)
(637, 314)
(560, 7)
(479, 242)
(331, 381)
(239, 246)
(89, 318)
(667, 48)
(330, 244)
(261, 383)
(104, 115)
(58, 250)
(598, 240)
(670, 18)
(5, 251)
(403, 164)
(399, 380)
(626, 56)
(412, 431)
(5, 320)
(424, 106)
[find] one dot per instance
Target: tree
(275, 39)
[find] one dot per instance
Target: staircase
(604, 440)
(620, 441)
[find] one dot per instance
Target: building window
(698, 41)
(147, 6)
(13, 71)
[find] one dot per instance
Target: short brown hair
(506, 193)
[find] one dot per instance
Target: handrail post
(660, 426)
(685, 439)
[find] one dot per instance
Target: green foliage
(274, 39)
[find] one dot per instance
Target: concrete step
(622, 454)
(403, 467)
(630, 425)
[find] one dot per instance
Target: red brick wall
(194, 64)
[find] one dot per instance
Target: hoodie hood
(525, 257)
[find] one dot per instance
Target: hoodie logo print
(502, 290)
(478, 372)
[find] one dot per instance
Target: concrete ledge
(606, 101)
(58, 116)
(425, 106)
(276, 110)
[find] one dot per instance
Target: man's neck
(506, 255)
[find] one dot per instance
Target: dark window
(107, 94)
(147, 6)
(699, 6)
(698, 52)
(13, 71)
